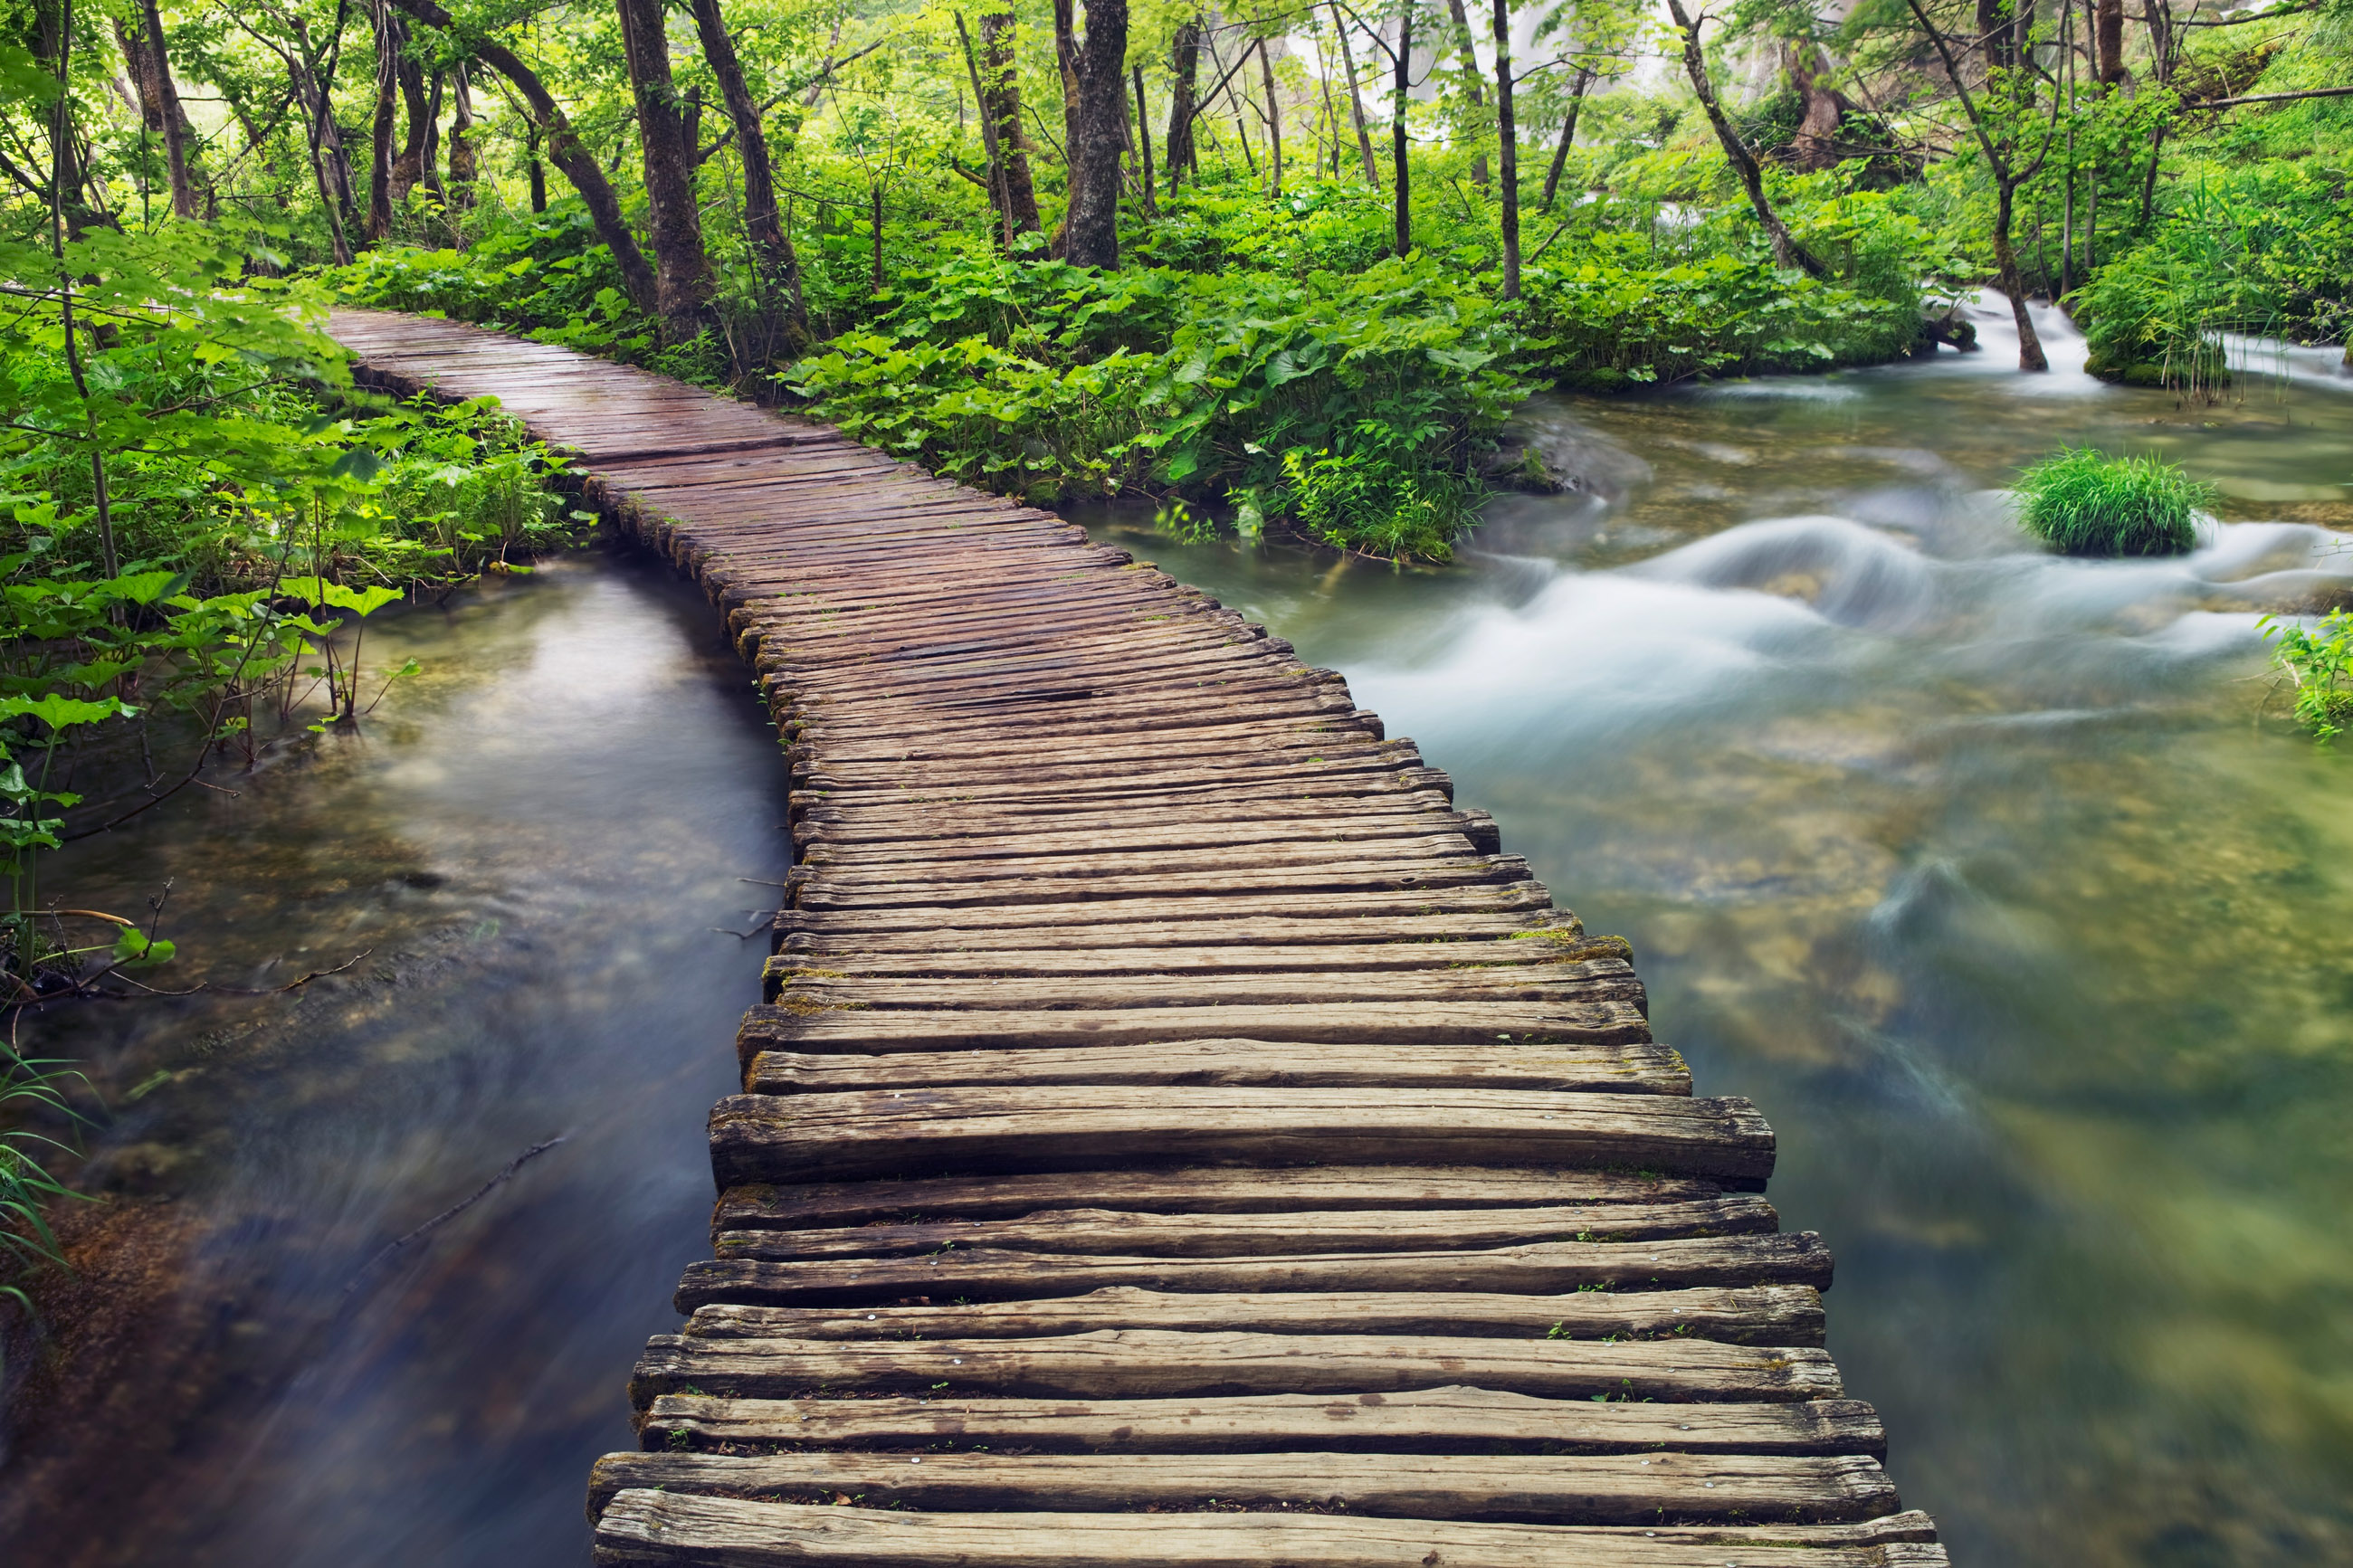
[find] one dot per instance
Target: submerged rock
(1547, 450)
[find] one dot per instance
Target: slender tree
(1096, 69)
(465, 166)
(682, 272)
(1273, 121)
(1507, 143)
(160, 108)
(1399, 173)
(386, 121)
(1184, 73)
(1356, 102)
(778, 266)
(1787, 251)
(1467, 59)
(1000, 95)
(552, 130)
(1567, 134)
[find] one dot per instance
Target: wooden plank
(1634, 1068)
(1594, 983)
(1549, 1268)
(1109, 1233)
(1200, 1190)
(801, 1137)
(1429, 1421)
(1333, 1023)
(1521, 949)
(1599, 1488)
(1231, 929)
(1155, 1363)
(1763, 1315)
(641, 1528)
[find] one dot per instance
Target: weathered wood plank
(1632, 1068)
(1109, 1233)
(1601, 1489)
(644, 1529)
(874, 1031)
(1551, 1268)
(1427, 1421)
(1200, 1190)
(1157, 1363)
(782, 1138)
(1594, 981)
(1764, 1315)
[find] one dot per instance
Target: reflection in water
(1980, 871)
(532, 842)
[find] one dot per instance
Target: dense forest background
(1284, 269)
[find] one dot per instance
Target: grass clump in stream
(2083, 503)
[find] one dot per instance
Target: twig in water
(454, 1210)
(755, 931)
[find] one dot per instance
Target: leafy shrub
(1353, 403)
(2318, 663)
(2086, 503)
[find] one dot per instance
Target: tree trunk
(1273, 121)
(682, 275)
(1404, 199)
(564, 148)
(1471, 85)
(1143, 133)
(1568, 135)
(2030, 347)
(318, 124)
(1098, 69)
(1815, 145)
(160, 108)
(778, 265)
(1993, 32)
(1507, 142)
(1787, 251)
(1357, 103)
(386, 123)
(408, 167)
(465, 167)
(2108, 39)
(1184, 72)
(2159, 14)
(1000, 92)
(428, 167)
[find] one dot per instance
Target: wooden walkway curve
(1177, 1135)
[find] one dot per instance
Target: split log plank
(646, 1529)
(1429, 1421)
(1600, 1488)
(1551, 1268)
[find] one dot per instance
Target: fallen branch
(454, 1210)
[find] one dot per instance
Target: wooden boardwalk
(1177, 1135)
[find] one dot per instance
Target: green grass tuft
(2084, 503)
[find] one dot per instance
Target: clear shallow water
(531, 842)
(1982, 872)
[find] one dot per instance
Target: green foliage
(2318, 663)
(2262, 249)
(2086, 503)
(1312, 397)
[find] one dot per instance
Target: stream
(1991, 876)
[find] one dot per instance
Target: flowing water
(531, 844)
(1983, 872)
